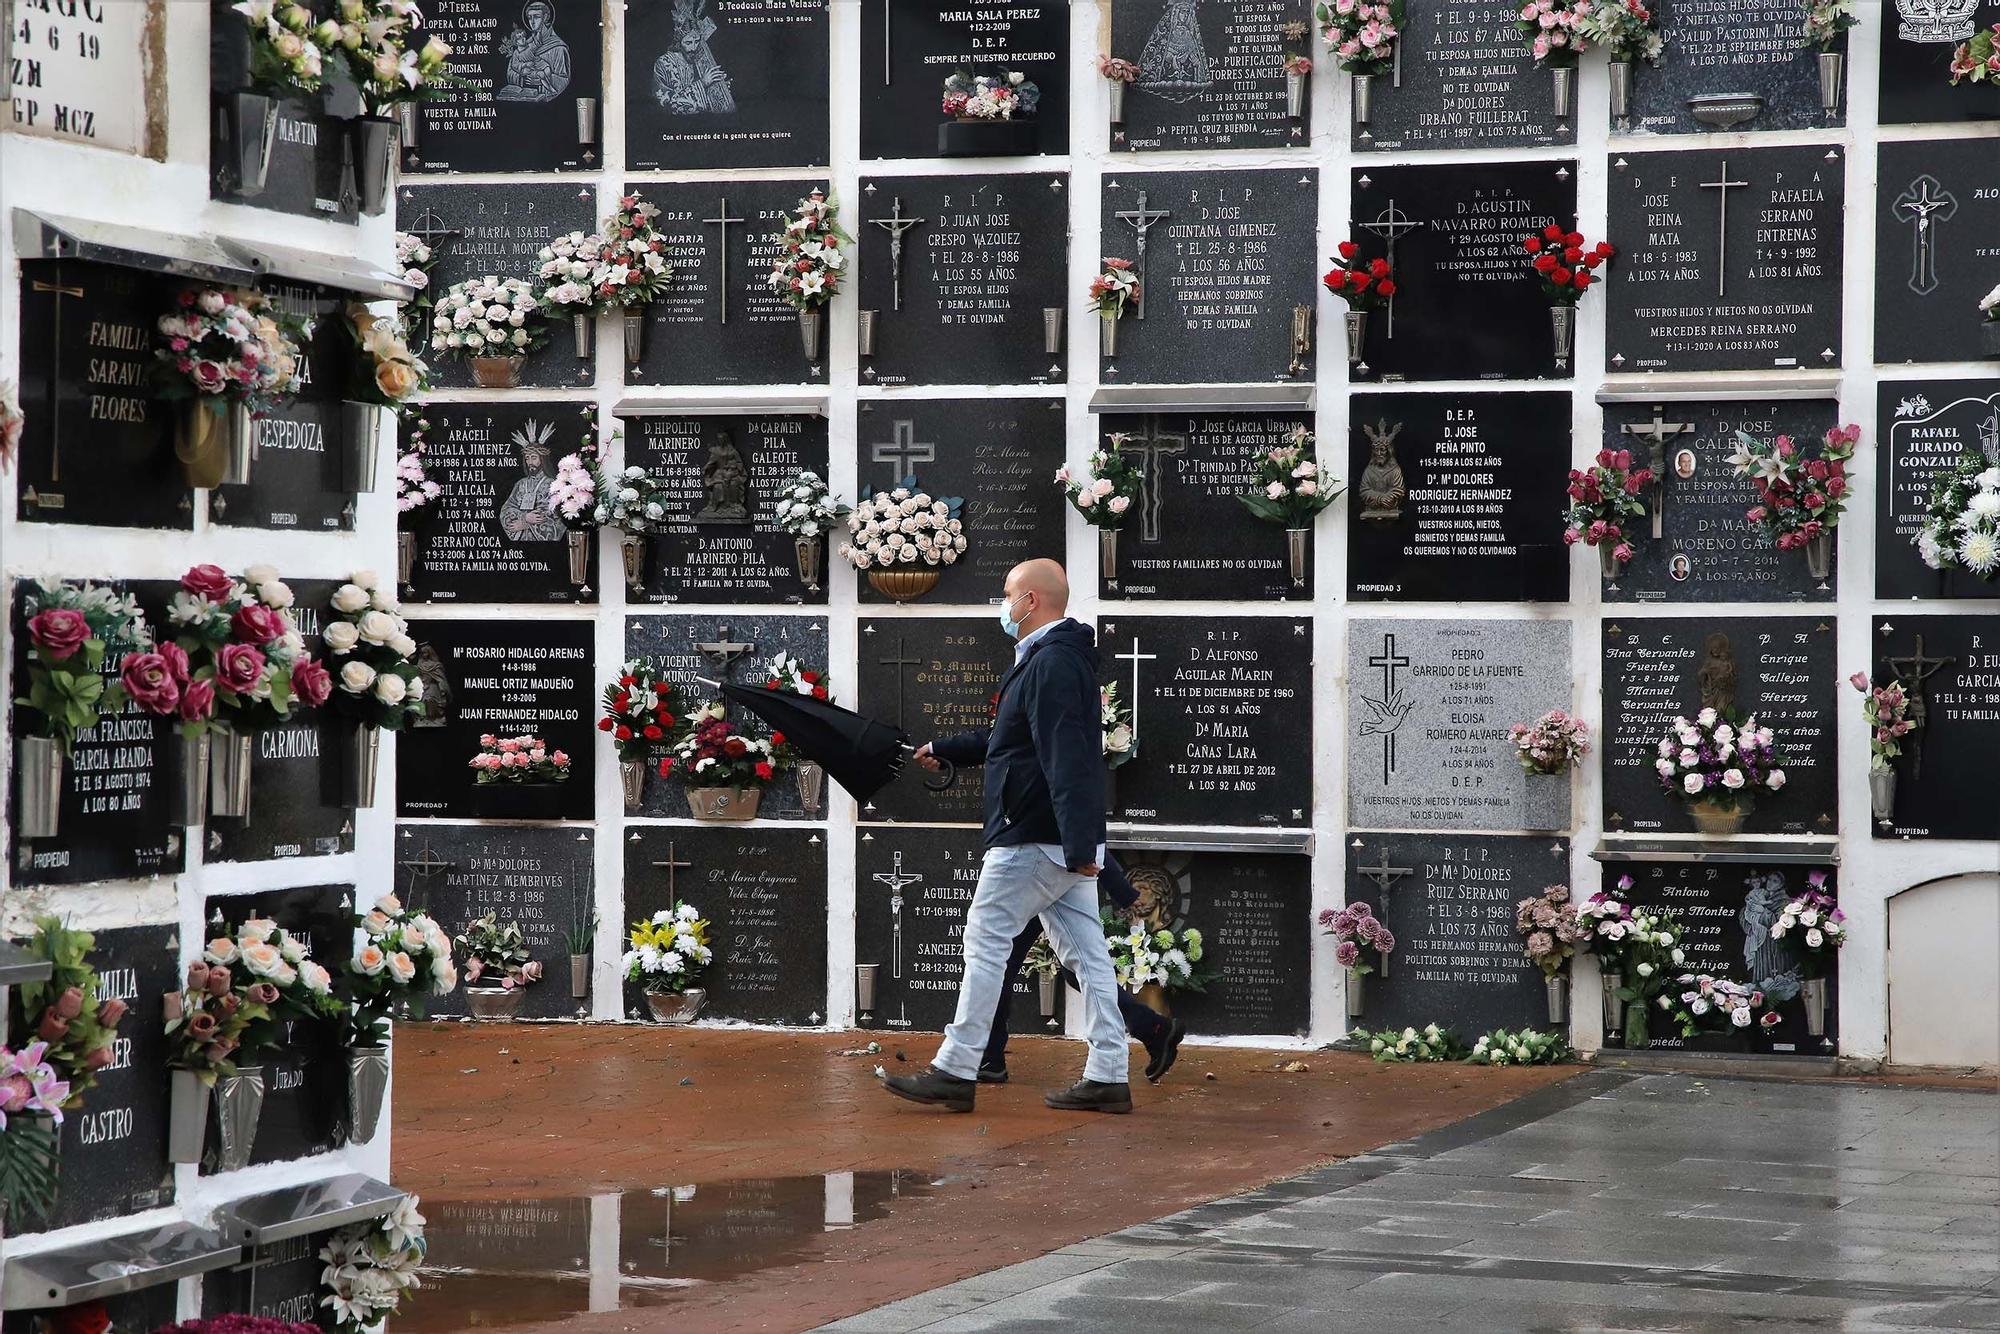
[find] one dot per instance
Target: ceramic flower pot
(676, 1007)
(193, 795)
(1115, 88)
(1052, 330)
(1563, 86)
(364, 763)
(498, 372)
(363, 425)
(1357, 993)
(1832, 71)
(811, 324)
(1154, 997)
(493, 1003)
(1813, 993)
(229, 774)
(1295, 96)
(1621, 90)
(1357, 334)
(808, 552)
(239, 1105)
(187, 1117)
(373, 142)
(812, 786)
(586, 120)
(724, 804)
(1717, 821)
(1107, 555)
(1364, 98)
(633, 323)
(252, 120)
(1882, 794)
(406, 557)
(215, 441)
(367, 1084)
(579, 976)
(632, 783)
(864, 987)
(1298, 554)
(1562, 324)
(1045, 987)
(1107, 336)
(903, 584)
(1819, 555)
(583, 332)
(1558, 994)
(1544, 802)
(864, 332)
(632, 549)
(39, 778)
(409, 125)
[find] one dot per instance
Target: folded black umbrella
(863, 755)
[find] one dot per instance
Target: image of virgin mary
(1174, 62)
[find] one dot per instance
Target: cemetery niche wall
(1950, 668)
(1924, 430)
(742, 83)
(1211, 76)
(532, 90)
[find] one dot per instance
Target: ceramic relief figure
(1174, 64)
(525, 515)
(1382, 485)
(538, 62)
(687, 80)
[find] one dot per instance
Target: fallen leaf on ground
(1295, 1067)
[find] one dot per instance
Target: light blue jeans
(1016, 884)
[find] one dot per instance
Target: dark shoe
(992, 1074)
(1087, 1095)
(933, 1088)
(1166, 1052)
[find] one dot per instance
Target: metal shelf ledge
(110, 1266)
(299, 1211)
(1173, 839)
(1724, 852)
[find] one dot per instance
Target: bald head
(1037, 592)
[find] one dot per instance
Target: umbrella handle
(944, 779)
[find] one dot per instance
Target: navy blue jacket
(1044, 753)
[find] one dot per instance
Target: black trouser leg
(996, 1041)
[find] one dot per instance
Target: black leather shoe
(992, 1074)
(1166, 1053)
(1087, 1095)
(933, 1088)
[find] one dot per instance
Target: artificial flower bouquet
(386, 373)
(1961, 529)
(1606, 918)
(1008, 96)
(806, 509)
(1566, 263)
(634, 501)
(520, 760)
(1555, 31)
(905, 525)
(415, 259)
(1115, 287)
(1977, 59)
(811, 264)
(713, 753)
(236, 1324)
(1114, 720)
(1550, 929)
(371, 655)
(289, 45)
(1887, 711)
(208, 1020)
(488, 316)
(13, 422)
(633, 270)
(220, 347)
(497, 956)
(280, 974)
(63, 1010)
(1827, 21)
(1361, 942)
(1289, 488)
(378, 40)
(1526, 1046)
(1109, 486)
(1699, 1000)
(1552, 744)
(667, 952)
(787, 674)
(415, 489)
(1362, 36)
(369, 1267)
(1117, 70)
(1364, 284)
(1799, 499)
(32, 1095)
(1718, 759)
(567, 272)
(641, 712)
(1814, 924)
(1411, 1045)
(237, 660)
(1628, 30)
(72, 629)
(1604, 506)
(579, 496)
(1142, 956)
(402, 961)
(1644, 955)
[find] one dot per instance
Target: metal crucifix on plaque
(1141, 220)
(895, 878)
(1384, 875)
(902, 452)
(722, 217)
(1925, 204)
(1390, 224)
(723, 653)
(1913, 671)
(672, 865)
(899, 662)
(56, 291)
(896, 224)
(1135, 657)
(1656, 434)
(1722, 187)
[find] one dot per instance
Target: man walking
(1044, 759)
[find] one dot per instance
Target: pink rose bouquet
(403, 959)
(1361, 36)
(518, 759)
(227, 347)
(1798, 498)
(1604, 503)
(1108, 489)
(1290, 488)
(77, 634)
(237, 660)
(273, 970)
(1556, 31)
(1550, 928)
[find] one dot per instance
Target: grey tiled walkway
(1610, 1202)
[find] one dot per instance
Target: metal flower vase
(1107, 555)
(1558, 993)
(1107, 338)
(406, 557)
(1819, 555)
(229, 767)
(579, 977)
(632, 783)
(632, 549)
(1364, 98)
(493, 1003)
(1608, 563)
(1621, 90)
(364, 764)
(811, 324)
(1718, 821)
(239, 1105)
(634, 325)
(865, 322)
(195, 752)
(1832, 76)
(1045, 986)
(1052, 330)
(676, 1007)
(586, 120)
(1298, 554)
(1813, 992)
(498, 372)
(1357, 993)
(579, 555)
(1882, 795)
(1989, 334)
(40, 778)
(409, 125)
(1116, 89)
(187, 1117)
(374, 144)
(1563, 86)
(1357, 334)
(864, 987)
(363, 425)
(1611, 983)
(1562, 323)
(812, 786)
(808, 551)
(1295, 96)
(583, 332)
(253, 132)
(719, 805)
(216, 442)
(367, 1084)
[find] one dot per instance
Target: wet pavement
(636, 1179)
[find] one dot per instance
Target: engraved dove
(1387, 714)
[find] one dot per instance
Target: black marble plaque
(506, 678)
(282, 1283)
(531, 71)
(1786, 676)
(1449, 901)
(148, 1308)
(908, 51)
(1728, 48)
(978, 270)
(1222, 708)
(695, 560)
(86, 385)
(1728, 259)
(1221, 264)
(305, 1076)
(1918, 40)
(1247, 909)
(114, 1149)
(739, 648)
(301, 446)
(477, 230)
(119, 783)
(1475, 524)
(1468, 304)
(294, 808)
(727, 84)
(1212, 76)
(1193, 539)
(1922, 429)
(1466, 77)
(490, 536)
(912, 888)
(763, 892)
(1726, 914)
(1941, 786)
(1937, 211)
(539, 877)
(720, 322)
(932, 677)
(998, 454)
(1705, 550)
(308, 176)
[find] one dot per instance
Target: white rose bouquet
(1815, 925)
(905, 526)
(488, 317)
(806, 509)
(371, 655)
(1429, 1043)
(567, 273)
(1114, 719)
(1526, 1047)
(403, 959)
(634, 501)
(288, 46)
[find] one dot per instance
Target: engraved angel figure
(1175, 63)
(1772, 966)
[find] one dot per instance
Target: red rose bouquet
(1603, 502)
(632, 270)
(641, 712)
(1567, 263)
(1364, 284)
(72, 630)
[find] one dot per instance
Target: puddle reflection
(495, 1263)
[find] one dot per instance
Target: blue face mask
(1008, 625)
